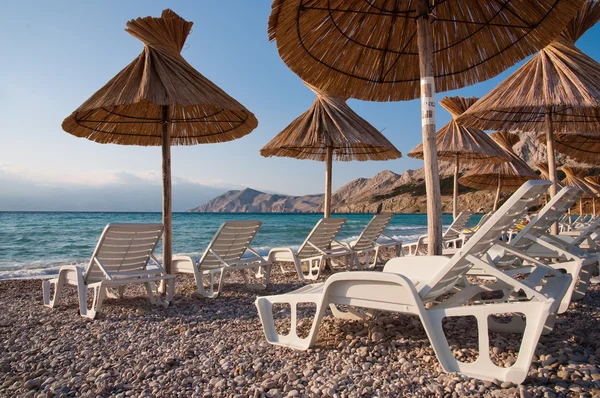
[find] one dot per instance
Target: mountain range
(384, 192)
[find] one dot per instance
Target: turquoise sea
(34, 244)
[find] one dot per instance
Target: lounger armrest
(281, 254)
(73, 275)
(417, 268)
(184, 264)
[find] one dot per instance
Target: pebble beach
(216, 348)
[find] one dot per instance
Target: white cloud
(102, 190)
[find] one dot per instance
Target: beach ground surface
(216, 347)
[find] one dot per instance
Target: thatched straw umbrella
(373, 50)
(583, 148)
(574, 178)
(459, 144)
(328, 129)
(594, 183)
(160, 100)
(558, 90)
(503, 177)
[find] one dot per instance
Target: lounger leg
(58, 285)
(265, 311)
(574, 268)
(99, 293)
(583, 283)
(210, 292)
(116, 292)
(375, 258)
(484, 368)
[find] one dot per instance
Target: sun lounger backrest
(457, 226)
(504, 219)
(548, 215)
(123, 248)
(230, 243)
(321, 236)
(372, 231)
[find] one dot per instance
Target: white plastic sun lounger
(535, 241)
(371, 240)
(408, 283)
(319, 246)
(121, 258)
(225, 253)
(452, 238)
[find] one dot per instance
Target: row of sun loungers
(533, 276)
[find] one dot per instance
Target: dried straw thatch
(511, 174)
(559, 81)
(473, 40)
(453, 140)
(330, 129)
(160, 99)
(330, 123)
(543, 168)
(380, 50)
(574, 177)
(594, 182)
(128, 110)
(581, 147)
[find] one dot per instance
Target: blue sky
(56, 54)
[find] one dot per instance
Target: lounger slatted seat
(535, 241)
(371, 240)
(225, 253)
(121, 257)
(408, 283)
(319, 246)
(452, 238)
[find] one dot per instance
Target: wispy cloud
(102, 190)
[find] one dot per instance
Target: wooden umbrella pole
(432, 177)
(455, 197)
(166, 200)
(551, 160)
(328, 168)
(594, 207)
(580, 207)
(497, 193)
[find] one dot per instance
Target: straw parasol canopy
(160, 100)
(374, 50)
(594, 183)
(558, 90)
(459, 144)
(580, 147)
(574, 177)
(330, 129)
(502, 177)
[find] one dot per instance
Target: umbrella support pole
(497, 200)
(328, 170)
(580, 207)
(594, 207)
(551, 159)
(166, 200)
(432, 176)
(455, 194)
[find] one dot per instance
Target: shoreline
(216, 347)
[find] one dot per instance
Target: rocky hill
(252, 201)
(384, 192)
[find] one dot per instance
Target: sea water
(34, 244)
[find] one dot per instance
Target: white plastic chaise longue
(453, 237)
(319, 246)
(121, 258)
(225, 253)
(408, 283)
(535, 241)
(371, 240)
